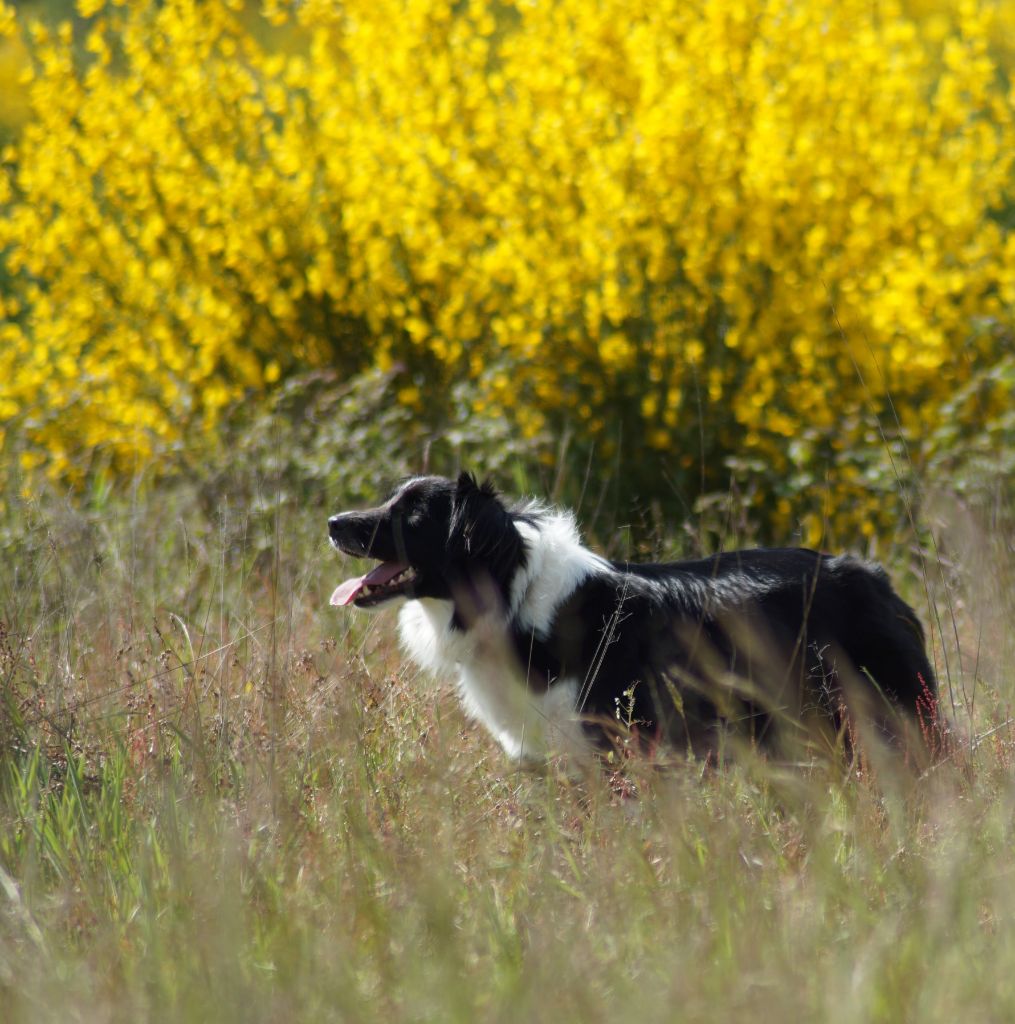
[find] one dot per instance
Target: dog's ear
(484, 549)
(467, 486)
(481, 527)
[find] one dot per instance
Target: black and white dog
(558, 650)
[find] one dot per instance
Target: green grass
(221, 799)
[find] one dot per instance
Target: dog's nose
(349, 533)
(335, 526)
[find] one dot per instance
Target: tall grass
(222, 800)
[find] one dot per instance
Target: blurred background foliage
(697, 255)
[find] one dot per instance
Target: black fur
(764, 645)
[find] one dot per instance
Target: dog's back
(747, 645)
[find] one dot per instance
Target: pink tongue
(378, 576)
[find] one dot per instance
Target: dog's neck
(556, 563)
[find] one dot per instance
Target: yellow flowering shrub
(741, 236)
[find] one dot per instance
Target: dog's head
(434, 538)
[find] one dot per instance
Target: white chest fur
(529, 725)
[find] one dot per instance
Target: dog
(558, 650)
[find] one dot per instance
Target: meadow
(222, 799)
(713, 274)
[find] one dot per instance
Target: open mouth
(383, 582)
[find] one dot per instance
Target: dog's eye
(409, 511)
(407, 515)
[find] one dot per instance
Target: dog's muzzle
(352, 533)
